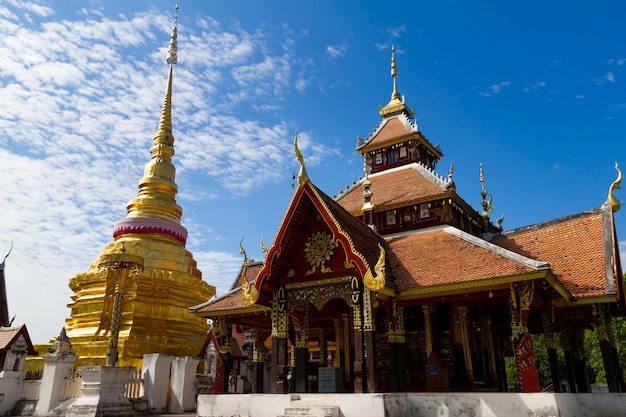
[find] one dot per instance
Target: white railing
(71, 387)
(134, 387)
(29, 389)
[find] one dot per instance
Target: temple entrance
(322, 348)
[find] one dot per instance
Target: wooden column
(567, 352)
(226, 332)
(370, 348)
(357, 319)
(280, 354)
(548, 331)
(397, 345)
(606, 340)
(522, 294)
(580, 365)
(346, 348)
(258, 359)
(301, 352)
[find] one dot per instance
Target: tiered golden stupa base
(154, 310)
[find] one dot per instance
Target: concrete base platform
(418, 404)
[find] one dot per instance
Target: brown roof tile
(392, 130)
(391, 187)
(442, 256)
(574, 247)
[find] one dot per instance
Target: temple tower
(134, 299)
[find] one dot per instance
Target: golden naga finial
(486, 203)
(613, 201)
(377, 282)
(250, 293)
(263, 248)
(303, 177)
(242, 251)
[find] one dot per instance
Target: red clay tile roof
(446, 255)
(399, 185)
(8, 336)
(575, 248)
(393, 129)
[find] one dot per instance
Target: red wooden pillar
(521, 299)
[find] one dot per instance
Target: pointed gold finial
(396, 104)
(613, 201)
(263, 248)
(303, 177)
(172, 50)
(394, 74)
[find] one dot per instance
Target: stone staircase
(300, 408)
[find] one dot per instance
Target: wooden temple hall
(397, 284)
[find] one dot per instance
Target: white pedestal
(182, 392)
(104, 392)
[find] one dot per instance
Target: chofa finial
(303, 177)
(613, 201)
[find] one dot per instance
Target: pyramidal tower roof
(155, 210)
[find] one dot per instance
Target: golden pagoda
(134, 299)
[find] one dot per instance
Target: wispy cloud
(609, 77)
(537, 85)
(494, 89)
(337, 51)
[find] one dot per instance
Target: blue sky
(532, 90)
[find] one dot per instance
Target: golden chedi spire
(396, 104)
(152, 312)
(154, 210)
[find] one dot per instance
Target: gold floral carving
(318, 250)
(319, 296)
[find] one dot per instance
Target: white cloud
(609, 77)
(337, 51)
(81, 101)
(495, 89)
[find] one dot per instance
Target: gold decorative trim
(236, 311)
(318, 283)
(475, 286)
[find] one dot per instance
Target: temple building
(398, 284)
(134, 299)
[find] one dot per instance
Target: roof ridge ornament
(613, 201)
(394, 74)
(303, 177)
(486, 203)
(396, 104)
